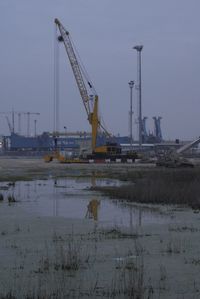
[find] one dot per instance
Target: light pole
(35, 126)
(19, 123)
(139, 50)
(65, 128)
(131, 84)
(28, 124)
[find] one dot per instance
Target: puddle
(71, 198)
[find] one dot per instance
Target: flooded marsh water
(117, 246)
(72, 198)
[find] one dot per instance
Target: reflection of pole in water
(19, 190)
(28, 190)
(92, 209)
(93, 180)
(139, 222)
(55, 203)
(35, 186)
(131, 219)
(140, 217)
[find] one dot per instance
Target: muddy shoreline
(29, 168)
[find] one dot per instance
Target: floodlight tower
(139, 48)
(131, 84)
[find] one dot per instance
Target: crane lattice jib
(75, 65)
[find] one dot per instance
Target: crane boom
(91, 106)
(92, 112)
(65, 37)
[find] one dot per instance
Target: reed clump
(160, 187)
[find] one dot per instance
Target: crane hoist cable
(83, 69)
(56, 84)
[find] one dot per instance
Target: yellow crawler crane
(90, 103)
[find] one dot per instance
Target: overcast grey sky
(104, 33)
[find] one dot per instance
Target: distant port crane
(12, 125)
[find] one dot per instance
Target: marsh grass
(130, 277)
(183, 229)
(117, 233)
(69, 279)
(11, 199)
(8, 296)
(160, 187)
(69, 258)
(174, 246)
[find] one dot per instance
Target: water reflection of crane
(55, 201)
(92, 209)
